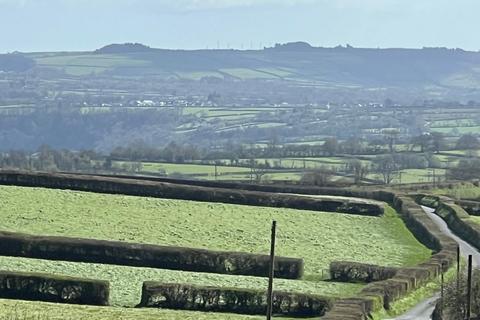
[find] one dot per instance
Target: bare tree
(387, 167)
(468, 142)
(318, 177)
(423, 141)
(358, 169)
(257, 171)
(330, 146)
(391, 135)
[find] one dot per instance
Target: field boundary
(147, 188)
(52, 288)
(231, 300)
(373, 297)
(382, 294)
(470, 206)
(354, 272)
(145, 255)
(455, 216)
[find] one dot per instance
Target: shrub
(144, 255)
(344, 271)
(187, 297)
(150, 188)
(455, 300)
(49, 288)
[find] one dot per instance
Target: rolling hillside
(344, 66)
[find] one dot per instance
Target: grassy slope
(294, 166)
(84, 64)
(466, 191)
(368, 66)
(456, 131)
(23, 310)
(475, 219)
(317, 237)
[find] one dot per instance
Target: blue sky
(55, 25)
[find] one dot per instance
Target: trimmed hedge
(472, 207)
(457, 218)
(144, 255)
(243, 301)
(437, 312)
(344, 271)
(378, 195)
(383, 293)
(49, 288)
(371, 298)
(104, 184)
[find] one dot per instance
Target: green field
(246, 73)
(475, 219)
(414, 176)
(315, 236)
(85, 64)
(224, 173)
(188, 169)
(465, 191)
(24, 310)
(291, 169)
(421, 175)
(457, 131)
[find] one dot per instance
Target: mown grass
(317, 237)
(245, 73)
(126, 282)
(464, 191)
(84, 64)
(421, 175)
(294, 168)
(188, 169)
(453, 123)
(413, 176)
(25, 310)
(456, 131)
(475, 219)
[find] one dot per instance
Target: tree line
(385, 163)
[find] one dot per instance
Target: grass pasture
(291, 169)
(453, 123)
(475, 219)
(457, 131)
(317, 237)
(205, 171)
(25, 310)
(465, 191)
(85, 64)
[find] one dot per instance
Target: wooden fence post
(272, 272)
(458, 268)
(442, 292)
(469, 288)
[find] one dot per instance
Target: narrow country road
(424, 310)
(465, 248)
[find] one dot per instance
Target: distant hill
(300, 62)
(15, 62)
(123, 48)
(293, 46)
